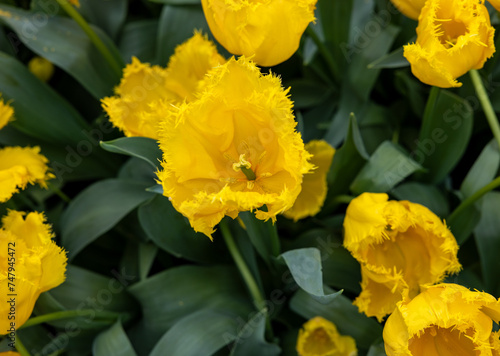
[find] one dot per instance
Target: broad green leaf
(377, 348)
(445, 133)
(388, 166)
(63, 42)
(108, 15)
(39, 111)
(347, 161)
(141, 147)
(342, 313)
(462, 224)
(136, 40)
(169, 230)
(113, 342)
(147, 254)
(173, 294)
(250, 340)
(488, 241)
(97, 209)
(201, 333)
(483, 171)
(261, 234)
(395, 59)
(177, 24)
(308, 93)
(427, 195)
(306, 269)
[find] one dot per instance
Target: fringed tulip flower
(20, 166)
(409, 8)
(453, 37)
(400, 246)
(267, 31)
(233, 149)
(444, 320)
(314, 186)
(319, 337)
(31, 263)
(143, 86)
(6, 113)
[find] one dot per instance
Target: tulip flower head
(314, 186)
(234, 149)
(20, 166)
(268, 31)
(453, 37)
(26, 246)
(6, 113)
(401, 246)
(143, 86)
(444, 320)
(319, 337)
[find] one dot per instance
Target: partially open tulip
(30, 264)
(319, 337)
(401, 246)
(6, 113)
(314, 187)
(267, 31)
(233, 149)
(444, 320)
(453, 37)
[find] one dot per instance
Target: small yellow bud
(41, 68)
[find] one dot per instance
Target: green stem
(70, 314)
(59, 192)
(112, 60)
(325, 52)
(346, 199)
(275, 240)
(486, 104)
(20, 347)
(474, 197)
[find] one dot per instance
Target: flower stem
(474, 197)
(275, 240)
(69, 314)
(247, 275)
(58, 192)
(20, 347)
(112, 60)
(486, 104)
(325, 52)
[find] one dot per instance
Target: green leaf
(97, 209)
(251, 341)
(135, 40)
(201, 333)
(377, 348)
(63, 42)
(113, 342)
(177, 24)
(444, 136)
(427, 195)
(173, 294)
(342, 313)
(347, 161)
(147, 254)
(261, 235)
(388, 166)
(395, 59)
(169, 230)
(108, 15)
(308, 93)
(462, 224)
(39, 111)
(141, 147)
(488, 241)
(483, 171)
(306, 269)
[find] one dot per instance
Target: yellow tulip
(234, 149)
(400, 246)
(268, 31)
(314, 186)
(143, 85)
(10, 353)
(444, 320)
(495, 4)
(6, 113)
(41, 68)
(453, 37)
(20, 166)
(31, 263)
(410, 8)
(319, 337)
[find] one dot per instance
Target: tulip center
(449, 31)
(438, 341)
(244, 166)
(319, 343)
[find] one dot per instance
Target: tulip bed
(249, 177)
